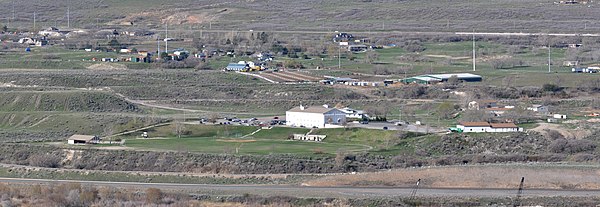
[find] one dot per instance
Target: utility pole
(69, 14)
(549, 59)
(414, 191)
(473, 50)
(339, 57)
(519, 193)
(166, 37)
(158, 46)
(34, 16)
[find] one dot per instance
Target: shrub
(49, 160)
(153, 195)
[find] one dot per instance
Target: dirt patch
(236, 140)
(448, 57)
(497, 57)
(107, 66)
(116, 148)
(543, 128)
(500, 176)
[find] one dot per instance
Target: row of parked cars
(246, 122)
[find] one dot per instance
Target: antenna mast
(473, 50)
(549, 62)
(167, 37)
(69, 14)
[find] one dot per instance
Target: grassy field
(228, 139)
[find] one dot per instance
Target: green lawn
(241, 146)
(227, 139)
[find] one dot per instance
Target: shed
(83, 139)
(422, 80)
(236, 67)
(466, 77)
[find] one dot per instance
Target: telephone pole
(69, 14)
(549, 62)
(166, 37)
(473, 50)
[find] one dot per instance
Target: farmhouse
(538, 108)
(83, 139)
(496, 111)
(354, 114)
(52, 32)
(488, 127)
(482, 104)
(314, 116)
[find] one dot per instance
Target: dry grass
(536, 176)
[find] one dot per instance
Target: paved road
(305, 191)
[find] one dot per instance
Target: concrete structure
(307, 137)
(83, 139)
(488, 127)
(314, 116)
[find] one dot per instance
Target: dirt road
(319, 192)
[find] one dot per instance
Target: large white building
(314, 116)
(488, 127)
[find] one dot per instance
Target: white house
(488, 127)
(559, 116)
(354, 114)
(83, 139)
(314, 116)
(538, 108)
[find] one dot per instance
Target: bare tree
(179, 126)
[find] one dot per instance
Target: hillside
(329, 15)
(64, 101)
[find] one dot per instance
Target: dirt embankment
(543, 129)
(494, 176)
(126, 160)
